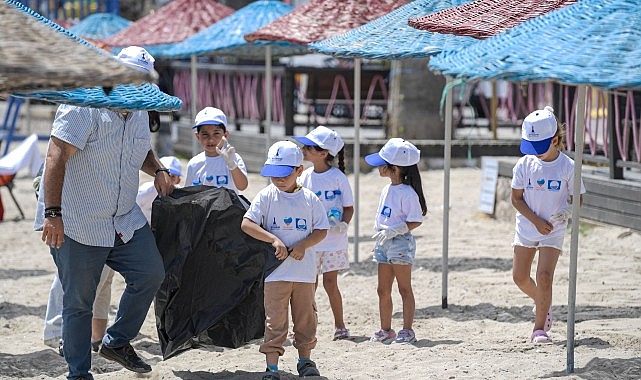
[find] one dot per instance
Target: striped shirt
(101, 178)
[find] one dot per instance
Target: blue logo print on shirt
(222, 180)
(554, 184)
(386, 211)
(301, 224)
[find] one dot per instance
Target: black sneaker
(95, 345)
(307, 368)
(270, 375)
(126, 356)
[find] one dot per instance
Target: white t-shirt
(398, 204)
(146, 194)
(291, 217)
(212, 171)
(547, 188)
(334, 191)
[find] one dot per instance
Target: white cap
(173, 164)
(282, 158)
(137, 58)
(323, 137)
(396, 151)
(211, 116)
(537, 131)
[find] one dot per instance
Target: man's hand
(53, 232)
(163, 183)
(227, 152)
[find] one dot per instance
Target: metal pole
(268, 100)
(447, 155)
(579, 136)
(357, 149)
(194, 99)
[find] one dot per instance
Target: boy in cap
(92, 223)
(292, 219)
(219, 164)
(542, 184)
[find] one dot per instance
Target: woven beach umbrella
(590, 43)
(320, 19)
(226, 36)
(99, 25)
(484, 18)
(38, 54)
(171, 23)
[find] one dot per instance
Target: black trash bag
(212, 294)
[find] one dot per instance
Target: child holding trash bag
(292, 219)
(542, 184)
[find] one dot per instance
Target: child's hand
(336, 225)
(281, 250)
(543, 226)
(297, 252)
(227, 152)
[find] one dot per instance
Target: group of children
(304, 215)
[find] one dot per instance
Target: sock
(272, 368)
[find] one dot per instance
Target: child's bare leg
(330, 283)
(548, 258)
(384, 290)
(403, 274)
(521, 267)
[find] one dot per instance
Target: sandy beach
(483, 334)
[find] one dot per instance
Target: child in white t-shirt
(147, 192)
(542, 184)
(320, 147)
(400, 209)
(293, 220)
(219, 165)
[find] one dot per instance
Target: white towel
(26, 155)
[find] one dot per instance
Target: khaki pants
(279, 295)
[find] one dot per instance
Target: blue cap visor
(535, 147)
(375, 159)
(276, 170)
(305, 141)
(175, 172)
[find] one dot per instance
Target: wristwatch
(162, 170)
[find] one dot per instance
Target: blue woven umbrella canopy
(99, 25)
(146, 97)
(37, 54)
(320, 19)
(390, 37)
(172, 23)
(591, 42)
(226, 36)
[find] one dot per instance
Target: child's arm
(543, 226)
(257, 232)
(413, 225)
(240, 179)
(298, 250)
(348, 212)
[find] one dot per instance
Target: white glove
(562, 215)
(228, 153)
(386, 234)
(336, 225)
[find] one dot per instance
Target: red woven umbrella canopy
(484, 18)
(320, 19)
(171, 23)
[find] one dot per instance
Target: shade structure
(226, 36)
(38, 54)
(144, 97)
(320, 19)
(99, 25)
(389, 37)
(171, 23)
(484, 18)
(600, 46)
(606, 54)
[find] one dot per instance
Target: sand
(482, 334)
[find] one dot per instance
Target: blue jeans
(79, 268)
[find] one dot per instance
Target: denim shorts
(554, 242)
(400, 249)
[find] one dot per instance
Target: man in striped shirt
(90, 218)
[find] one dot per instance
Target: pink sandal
(540, 337)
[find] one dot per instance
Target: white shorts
(329, 261)
(554, 242)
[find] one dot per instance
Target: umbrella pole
(579, 136)
(268, 97)
(447, 155)
(194, 100)
(357, 149)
